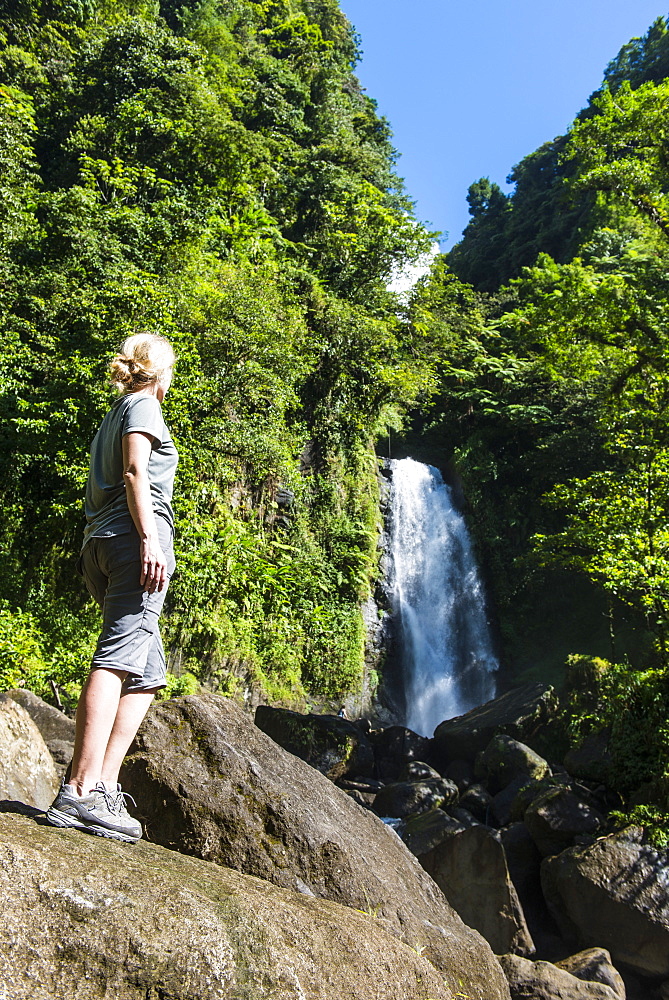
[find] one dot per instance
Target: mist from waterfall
(437, 600)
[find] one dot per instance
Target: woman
(126, 561)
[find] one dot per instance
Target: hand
(154, 565)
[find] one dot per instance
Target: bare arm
(136, 455)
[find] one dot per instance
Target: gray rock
(522, 856)
(93, 919)
(335, 747)
(416, 770)
(211, 784)
(405, 798)
(478, 802)
(427, 830)
(470, 868)
(516, 713)
(505, 759)
(594, 965)
(395, 747)
(557, 816)
(463, 816)
(27, 771)
(543, 981)
(57, 729)
(591, 760)
(614, 894)
(531, 790)
(524, 863)
(504, 803)
(364, 799)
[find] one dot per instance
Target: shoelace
(120, 796)
(114, 801)
(109, 797)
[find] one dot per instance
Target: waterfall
(437, 601)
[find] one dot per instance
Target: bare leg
(96, 714)
(132, 708)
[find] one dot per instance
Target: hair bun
(143, 360)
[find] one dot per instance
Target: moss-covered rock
(88, 919)
(505, 758)
(334, 746)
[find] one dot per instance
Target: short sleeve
(144, 415)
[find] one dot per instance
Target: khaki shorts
(130, 638)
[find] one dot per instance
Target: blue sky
(471, 88)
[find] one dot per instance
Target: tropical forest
(213, 171)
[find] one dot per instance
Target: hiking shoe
(98, 812)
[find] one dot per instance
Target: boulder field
(268, 872)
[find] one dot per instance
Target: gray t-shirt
(107, 510)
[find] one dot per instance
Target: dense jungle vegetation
(212, 171)
(553, 406)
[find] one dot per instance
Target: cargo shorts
(130, 638)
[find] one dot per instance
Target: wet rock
(334, 746)
(405, 798)
(478, 802)
(416, 770)
(591, 760)
(91, 918)
(57, 729)
(505, 759)
(543, 981)
(395, 747)
(27, 770)
(557, 816)
(594, 965)
(426, 831)
(614, 894)
(470, 868)
(209, 783)
(516, 713)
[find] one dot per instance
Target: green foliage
(212, 171)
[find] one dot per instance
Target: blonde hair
(143, 360)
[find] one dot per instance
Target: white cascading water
(437, 600)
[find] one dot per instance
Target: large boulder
(505, 759)
(57, 729)
(27, 770)
(594, 965)
(335, 747)
(543, 981)
(614, 894)
(517, 713)
(471, 870)
(405, 798)
(93, 919)
(425, 831)
(394, 748)
(558, 815)
(210, 783)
